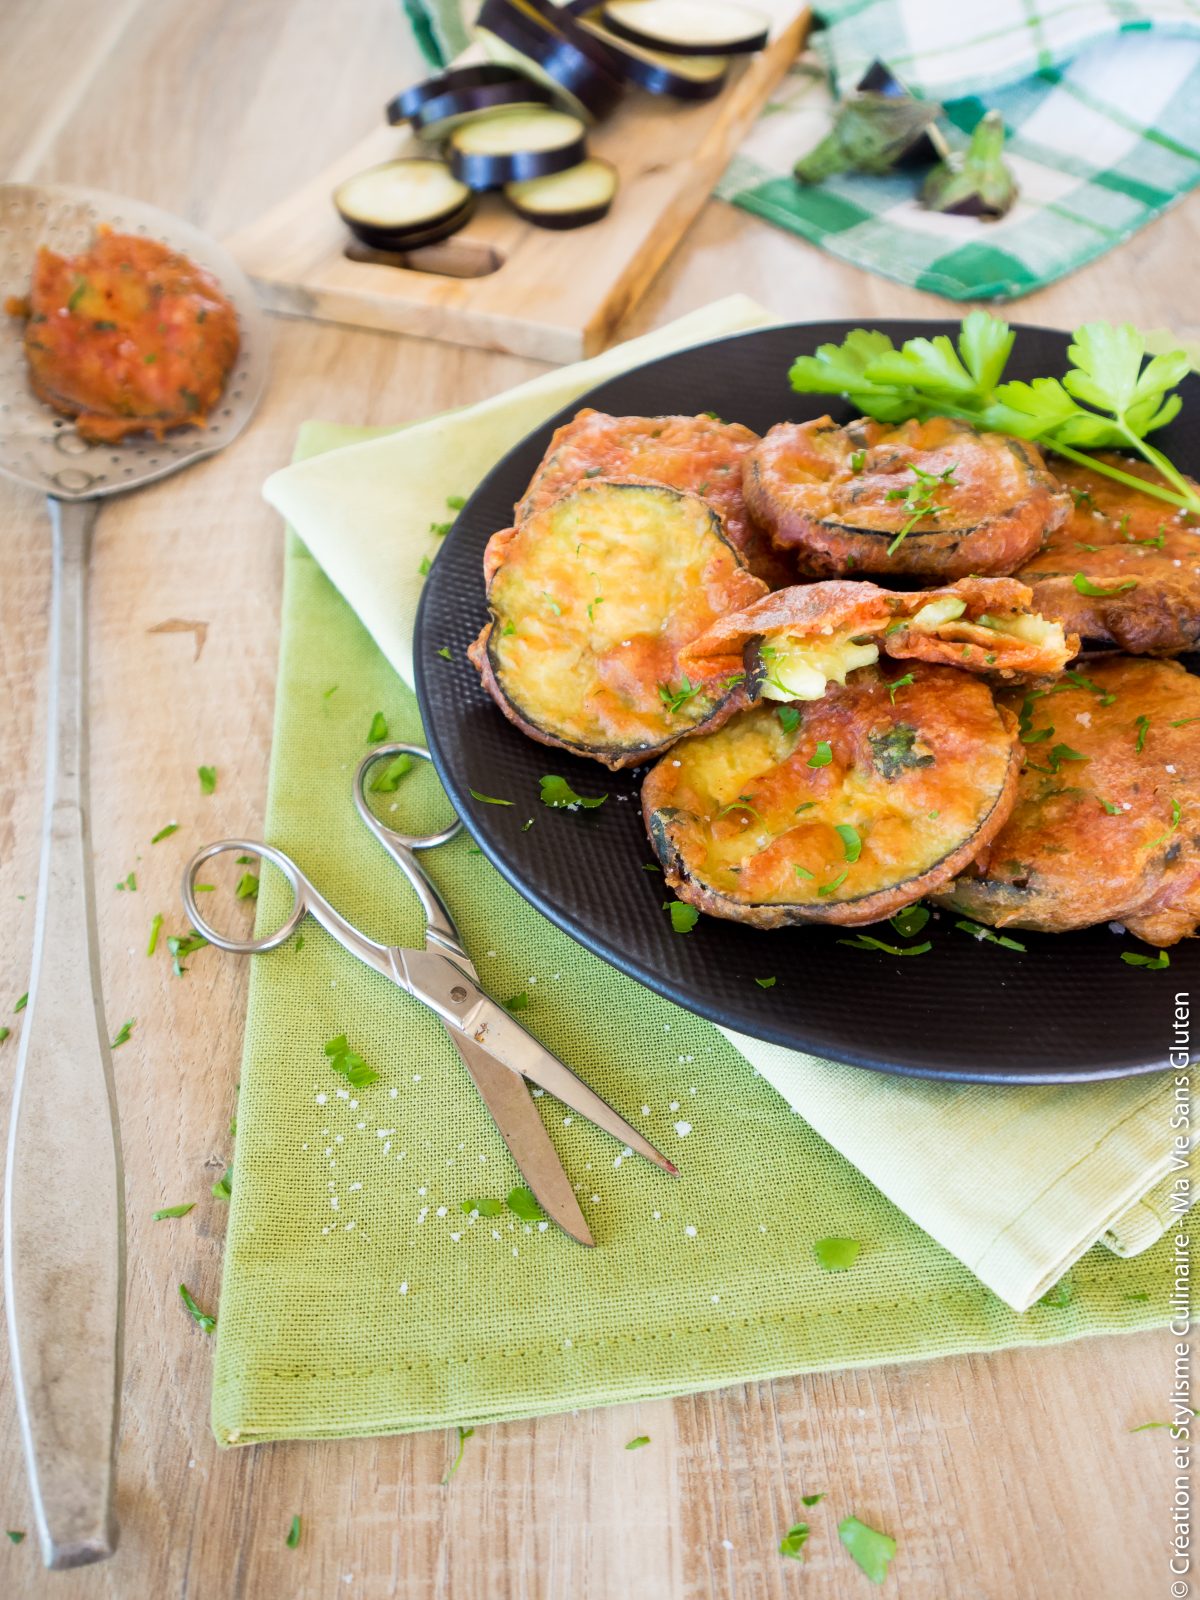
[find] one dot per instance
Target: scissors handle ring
(286, 865)
(410, 841)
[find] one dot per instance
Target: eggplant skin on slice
(592, 598)
(866, 802)
(1106, 827)
(1143, 552)
(841, 498)
(700, 454)
(795, 641)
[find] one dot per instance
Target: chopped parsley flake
(4, 1033)
(834, 883)
(897, 684)
(488, 799)
(791, 1546)
(223, 1188)
(858, 461)
(909, 920)
(765, 983)
(851, 841)
(208, 779)
(811, 1499)
(836, 1255)
(918, 499)
(518, 1002)
(22, 1002)
(558, 793)
(15, 1534)
(683, 917)
(1143, 728)
(463, 1435)
(870, 1550)
(742, 803)
(1113, 811)
(803, 872)
(789, 718)
(1061, 1294)
(172, 1211)
(349, 1063)
(129, 883)
(1155, 963)
(1184, 722)
(379, 728)
(639, 1443)
(184, 946)
(389, 777)
(1084, 585)
(123, 1033)
(155, 924)
(444, 652)
(200, 1318)
(440, 529)
(867, 941)
(455, 502)
(424, 566)
(165, 833)
(822, 755)
(293, 1536)
(986, 934)
(247, 887)
(675, 699)
(521, 1203)
(552, 603)
(485, 1207)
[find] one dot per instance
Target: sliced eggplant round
(592, 599)
(682, 77)
(570, 199)
(407, 105)
(935, 499)
(688, 27)
(559, 20)
(516, 40)
(841, 810)
(512, 145)
(403, 204)
(439, 117)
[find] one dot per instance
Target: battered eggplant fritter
(702, 455)
(937, 499)
(128, 337)
(795, 641)
(1106, 827)
(593, 597)
(842, 810)
(1140, 554)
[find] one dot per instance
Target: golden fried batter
(936, 499)
(1143, 553)
(1107, 821)
(128, 337)
(843, 810)
(593, 597)
(700, 454)
(794, 641)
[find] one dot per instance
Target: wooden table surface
(1006, 1476)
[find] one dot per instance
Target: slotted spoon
(64, 1226)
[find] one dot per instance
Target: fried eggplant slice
(796, 641)
(937, 499)
(870, 798)
(1106, 827)
(593, 597)
(128, 337)
(702, 455)
(1135, 559)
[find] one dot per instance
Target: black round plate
(1067, 1010)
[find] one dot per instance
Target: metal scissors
(496, 1050)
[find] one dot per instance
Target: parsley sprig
(1107, 399)
(920, 498)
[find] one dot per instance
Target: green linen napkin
(1017, 1183)
(359, 1297)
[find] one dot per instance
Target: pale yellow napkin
(1015, 1182)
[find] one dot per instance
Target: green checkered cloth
(1102, 104)
(1101, 99)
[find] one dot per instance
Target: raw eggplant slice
(1106, 827)
(797, 641)
(592, 598)
(935, 499)
(404, 203)
(515, 40)
(439, 116)
(688, 27)
(513, 145)
(682, 77)
(841, 811)
(408, 103)
(569, 199)
(559, 20)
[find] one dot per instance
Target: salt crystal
(683, 1129)
(404, 1288)
(690, 1230)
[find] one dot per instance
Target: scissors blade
(523, 1131)
(445, 987)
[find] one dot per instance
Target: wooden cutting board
(502, 284)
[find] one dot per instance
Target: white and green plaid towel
(1101, 97)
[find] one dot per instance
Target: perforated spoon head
(44, 450)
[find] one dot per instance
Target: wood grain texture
(1004, 1477)
(501, 283)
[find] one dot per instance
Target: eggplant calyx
(976, 182)
(870, 133)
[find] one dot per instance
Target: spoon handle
(64, 1223)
